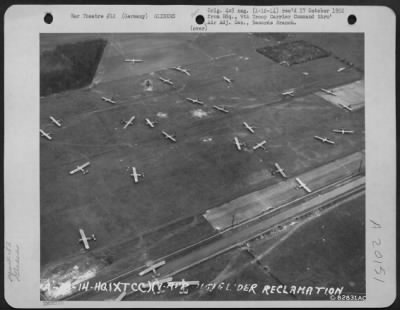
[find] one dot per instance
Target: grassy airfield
(203, 170)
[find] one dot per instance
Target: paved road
(236, 239)
(253, 204)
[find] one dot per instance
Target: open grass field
(203, 169)
(294, 256)
(251, 205)
(236, 268)
(329, 251)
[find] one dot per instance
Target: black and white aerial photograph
(202, 167)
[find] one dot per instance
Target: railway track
(235, 236)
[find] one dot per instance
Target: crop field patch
(330, 250)
(136, 223)
(348, 95)
(295, 52)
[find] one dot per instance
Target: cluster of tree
(69, 66)
(294, 52)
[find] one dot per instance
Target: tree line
(69, 66)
